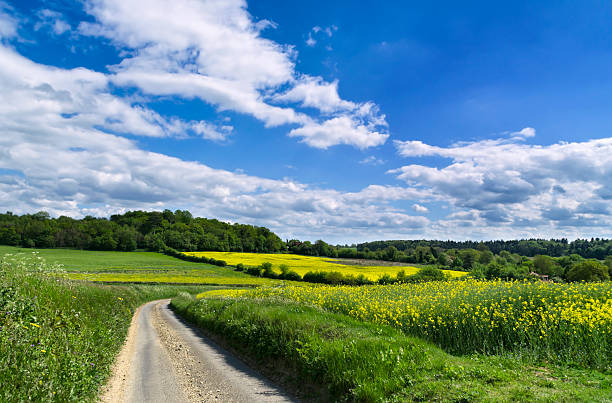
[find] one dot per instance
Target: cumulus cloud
(504, 181)
(213, 51)
(314, 92)
(339, 130)
(78, 98)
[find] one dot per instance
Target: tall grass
(58, 338)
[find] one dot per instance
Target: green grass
(59, 337)
(138, 267)
(95, 261)
(332, 357)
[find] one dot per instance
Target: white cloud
(318, 31)
(213, 51)
(212, 132)
(80, 98)
(310, 41)
(8, 24)
(372, 160)
(525, 132)
(419, 208)
(53, 20)
(314, 92)
(510, 184)
(339, 130)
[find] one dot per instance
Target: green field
(138, 267)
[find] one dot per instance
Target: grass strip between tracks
(323, 356)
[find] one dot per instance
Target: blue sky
(345, 121)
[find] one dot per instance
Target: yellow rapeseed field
(565, 322)
(221, 293)
(303, 264)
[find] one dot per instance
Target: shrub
(429, 274)
(588, 270)
(254, 271)
(284, 269)
(385, 279)
(266, 269)
(291, 275)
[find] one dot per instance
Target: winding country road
(167, 360)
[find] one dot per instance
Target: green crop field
(303, 264)
(138, 267)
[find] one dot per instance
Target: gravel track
(167, 360)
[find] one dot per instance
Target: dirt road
(167, 360)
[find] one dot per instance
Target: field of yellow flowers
(567, 323)
(303, 264)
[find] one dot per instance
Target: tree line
(156, 230)
(595, 248)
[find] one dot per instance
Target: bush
(266, 269)
(429, 274)
(254, 271)
(284, 269)
(291, 275)
(588, 270)
(386, 279)
(239, 267)
(288, 274)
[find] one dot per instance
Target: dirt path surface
(167, 360)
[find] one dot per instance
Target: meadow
(564, 323)
(138, 267)
(304, 264)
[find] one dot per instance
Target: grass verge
(58, 338)
(323, 356)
